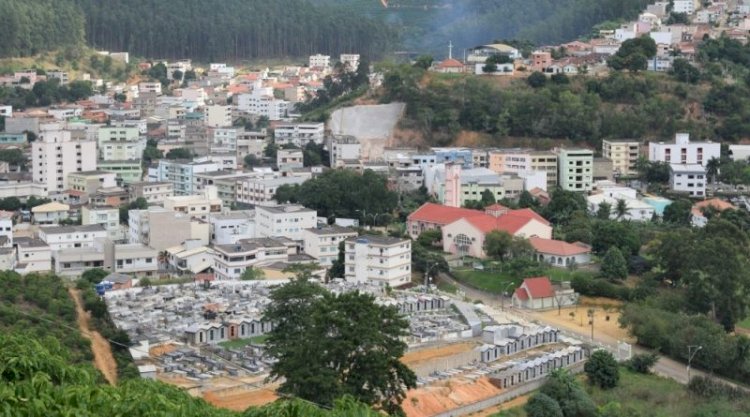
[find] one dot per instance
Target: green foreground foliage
(36, 379)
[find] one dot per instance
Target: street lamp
(590, 313)
(691, 354)
(504, 294)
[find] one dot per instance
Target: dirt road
(103, 359)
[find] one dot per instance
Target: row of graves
(509, 339)
(537, 366)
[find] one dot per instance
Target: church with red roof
(464, 229)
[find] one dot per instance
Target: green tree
(642, 362)
(621, 208)
(623, 235)
(270, 151)
(179, 153)
(151, 153)
(252, 274)
(337, 269)
(424, 62)
(633, 54)
(614, 266)
(542, 405)
(357, 344)
(602, 369)
(684, 71)
(604, 211)
(428, 238)
(94, 276)
(10, 204)
(488, 198)
(562, 205)
(536, 79)
(526, 200)
(250, 161)
(177, 75)
(497, 244)
(678, 212)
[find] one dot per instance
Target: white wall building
(689, 179)
(107, 217)
(350, 61)
(319, 61)
(299, 134)
(182, 173)
(230, 261)
(378, 260)
(229, 228)
(134, 258)
(322, 243)
(685, 6)
(120, 143)
(54, 155)
(152, 192)
(260, 191)
(683, 151)
(67, 237)
(197, 205)
(218, 116)
(288, 221)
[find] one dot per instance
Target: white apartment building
(319, 61)
(689, 179)
(6, 111)
(288, 159)
(107, 217)
(230, 261)
(6, 229)
(182, 173)
(251, 143)
(67, 237)
(575, 169)
(150, 87)
(350, 61)
(624, 155)
(683, 151)
(223, 140)
(685, 6)
(379, 260)
(218, 116)
(299, 134)
(120, 143)
(54, 155)
(60, 75)
(343, 148)
(322, 243)
(134, 258)
(262, 102)
(198, 206)
(191, 257)
(152, 192)
(231, 227)
(260, 191)
(32, 255)
(288, 221)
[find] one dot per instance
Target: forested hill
(430, 24)
(204, 30)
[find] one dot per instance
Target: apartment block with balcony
(231, 260)
(288, 221)
(575, 170)
(198, 206)
(684, 151)
(153, 192)
(228, 228)
(54, 155)
(322, 243)
(384, 261)
(624, 154)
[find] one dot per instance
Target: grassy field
(654, 396)
(501, 281)
(240, 343)
(745, 324)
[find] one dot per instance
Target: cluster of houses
(677, 27)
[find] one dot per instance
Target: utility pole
(691, 353)
(591, 322)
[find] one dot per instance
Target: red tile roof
(440, 214)
(507, 223)
(521, 294)
(539, 287)
(558, 247)
(450, 63)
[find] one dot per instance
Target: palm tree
(163, 260)
(621, 209)
(712, 169)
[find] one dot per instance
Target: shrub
(712, 388)
(602, 369)
(642, 363)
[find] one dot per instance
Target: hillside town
(197, 191)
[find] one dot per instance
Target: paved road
(666, 367)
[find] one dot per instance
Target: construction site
(208, 340)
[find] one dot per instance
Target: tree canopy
(357, 344)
